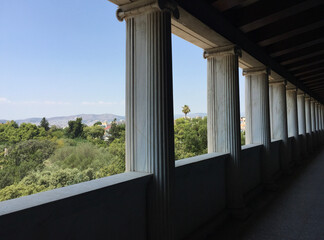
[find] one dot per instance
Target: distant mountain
(3, 121)
(88, 119)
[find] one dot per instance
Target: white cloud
(4, 100)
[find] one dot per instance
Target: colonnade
(274, 110)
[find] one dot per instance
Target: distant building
(242, 124)
(106, 134)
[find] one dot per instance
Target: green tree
(97, 123)
(81, 156)
(40, 160)
(185, 110)
(23, 158)
(118, 150)
(56, 132)
(12, 123)
(115, 131)
(242, 138)
(190, 137)
(94, 132)
(75, 128)
(44, 123)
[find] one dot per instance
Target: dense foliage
(190, 137)
(34, 159)
(39, 158)
(242, 138)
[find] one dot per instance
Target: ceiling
(286, 35)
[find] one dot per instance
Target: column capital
(307, 97)
(256, 71)
(222, 51)
(292, 89)
(143, 6)
(301, 92)
(278, 81)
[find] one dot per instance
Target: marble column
(318, 137)
(292, 120)
(320, 122)
(149, 107)
(223, 110)
(308, 124)
(313, 121)
(257, 116)
(278, 118)
(321, 117)
(317, 115)
(308, 114)
(292, 116)
(302, 121)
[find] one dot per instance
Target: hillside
(88, 119)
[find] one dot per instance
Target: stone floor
(294, 212)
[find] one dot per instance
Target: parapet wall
(115, 207)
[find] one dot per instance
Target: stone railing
(115, 207)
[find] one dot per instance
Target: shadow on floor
(294, 212)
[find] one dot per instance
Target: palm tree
(185, 110)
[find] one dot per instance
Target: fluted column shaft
(322, 120)
(320, 123)
(302, 121)
(312, 103)
(278, 119)
(149, 109)
(292, 120)
(321, 116)
(308, 115)
(318, 136)
(223, 110)
(257, 116)
(301, 114)
(308, 124)
(316, 117)
(313, 117)
(292, 116)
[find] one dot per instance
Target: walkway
(295, 212)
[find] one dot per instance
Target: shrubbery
(40, 160)
(190, 137)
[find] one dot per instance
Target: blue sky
(68, 57)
